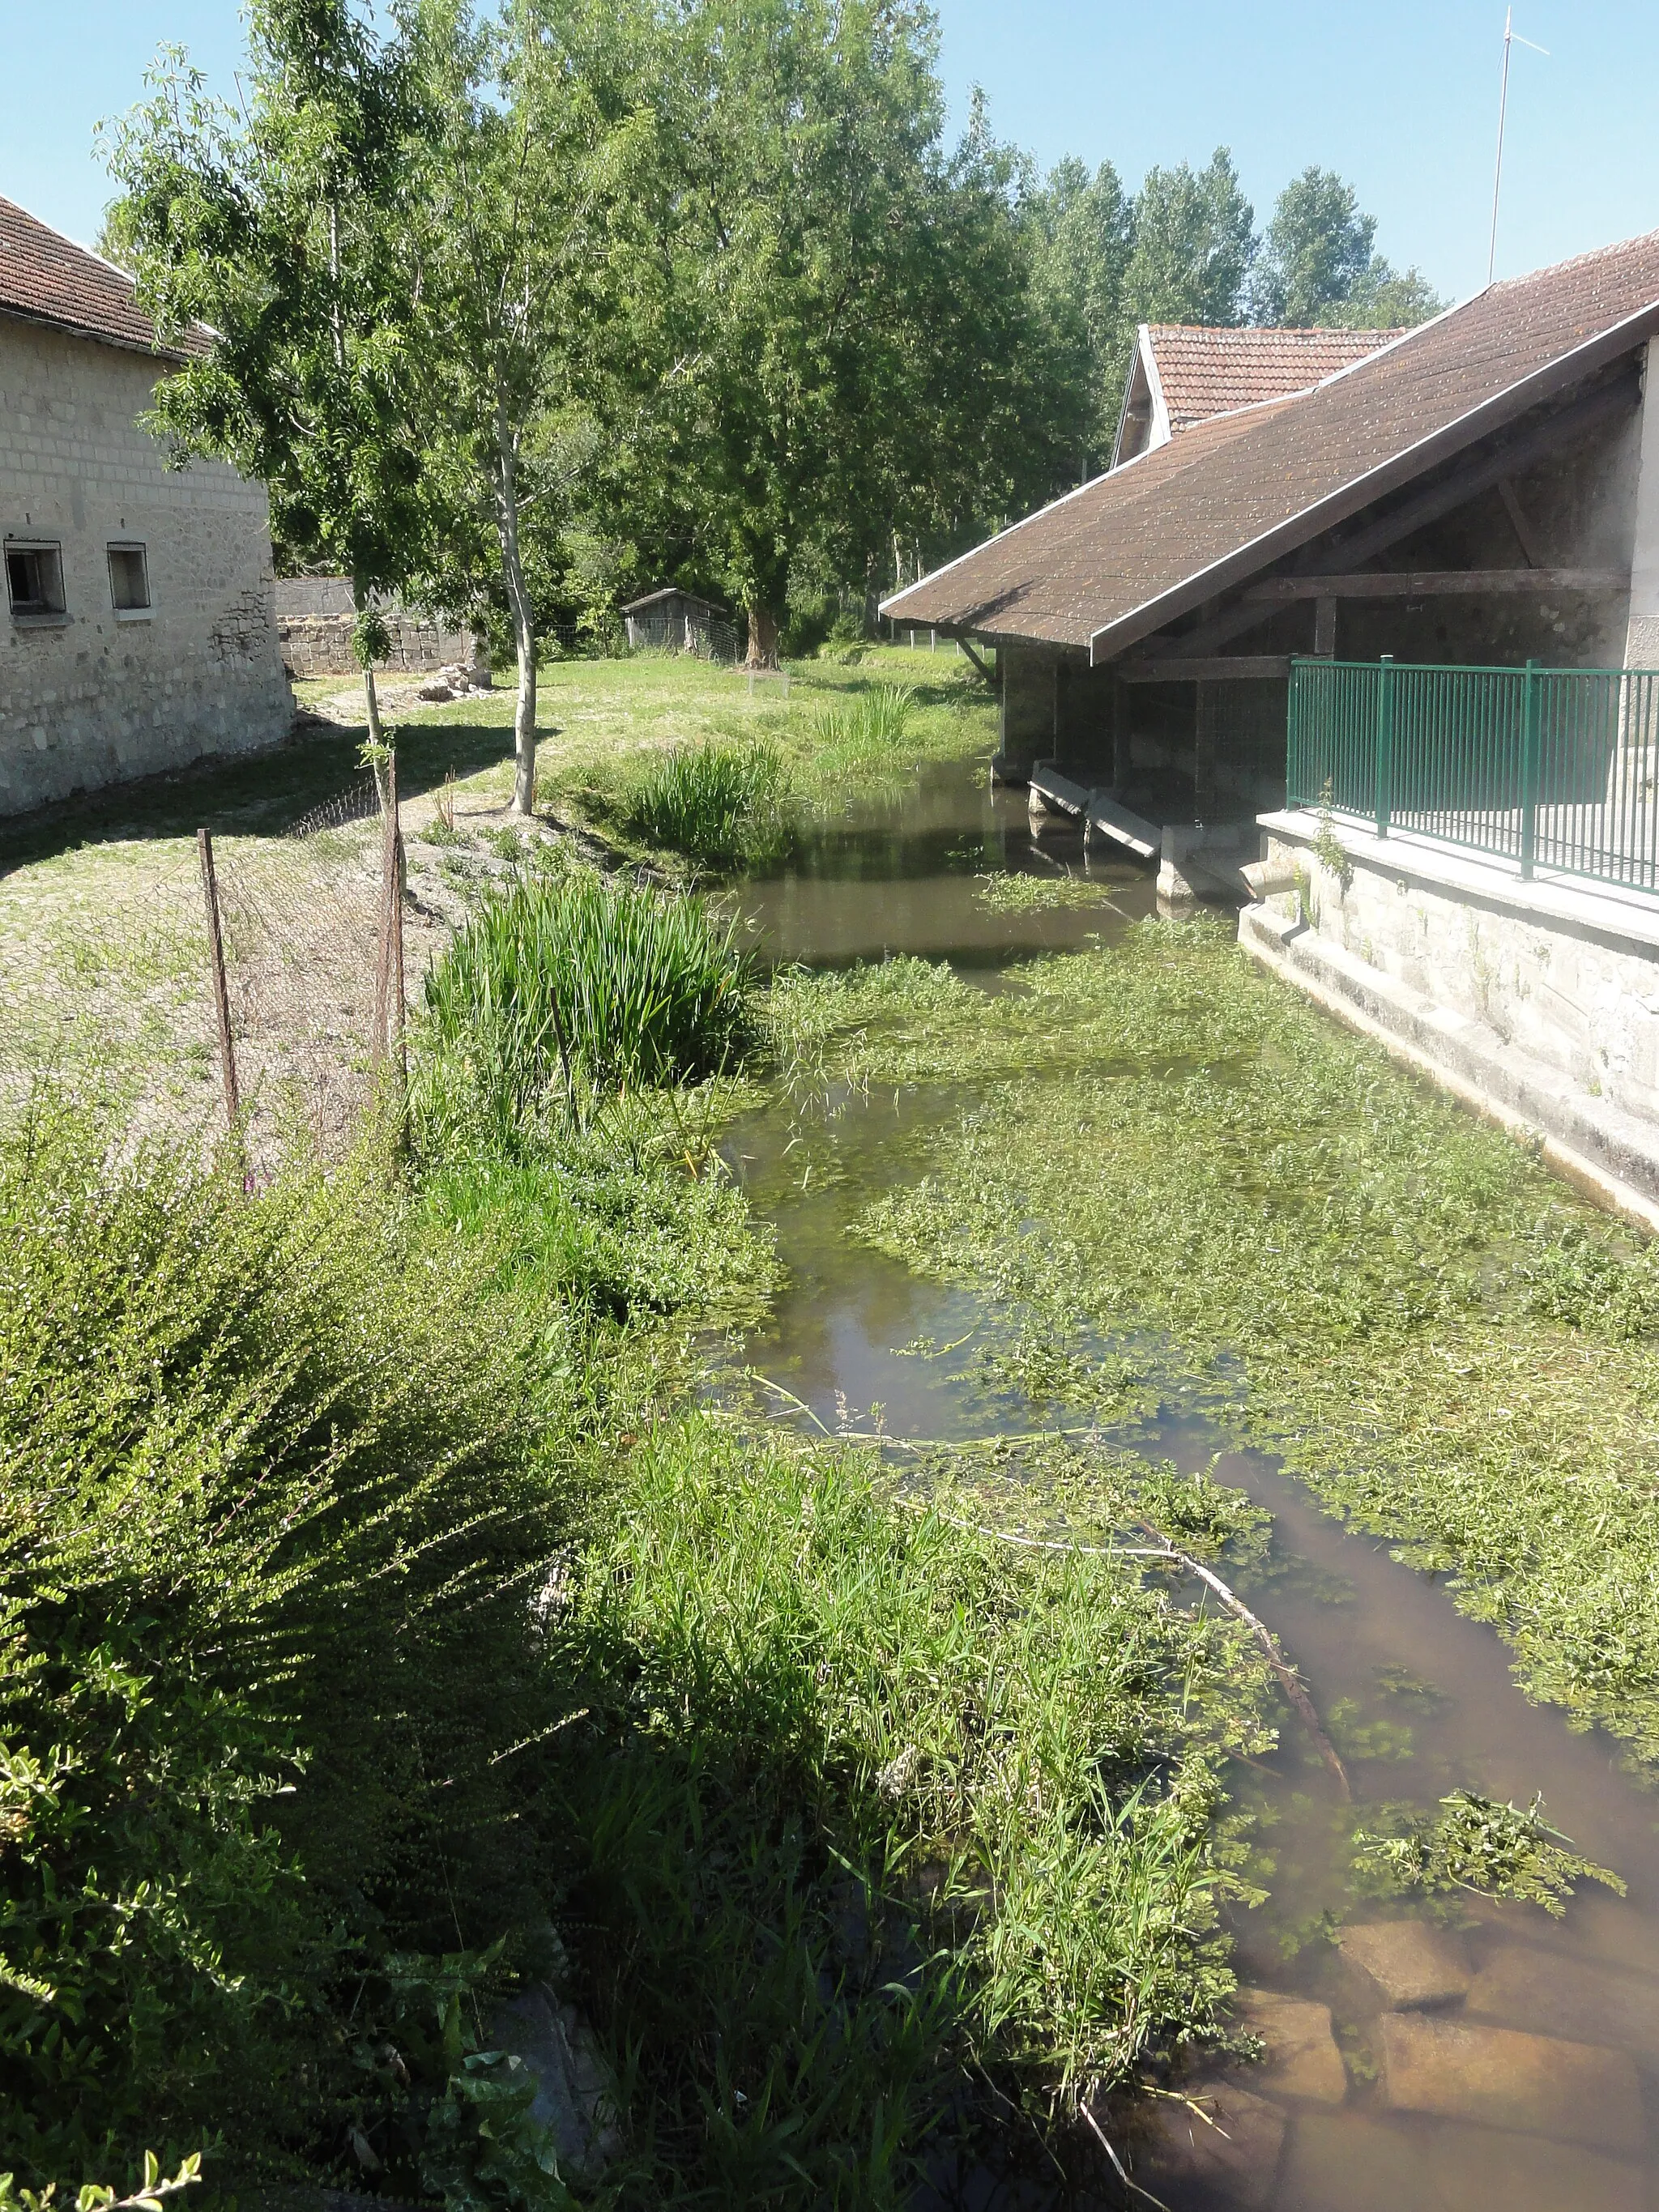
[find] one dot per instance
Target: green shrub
(717, 803)
(861, 1795)
(265, 1498)
(635, 986)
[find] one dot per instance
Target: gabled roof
(45, 277)
(1130, 551)
(1210, 372)
(672, 592)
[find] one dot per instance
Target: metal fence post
(1384, 742)
(1293, 737)
(1529, 769)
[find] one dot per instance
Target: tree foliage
(1318, 263)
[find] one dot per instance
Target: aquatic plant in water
(1445, 1340)
(1491, 1848)
(715, 803)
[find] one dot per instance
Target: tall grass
(866, 729)
(715, 803)
(582, 978)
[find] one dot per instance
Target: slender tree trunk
(371, 699)
(762, 638)
(524, 623)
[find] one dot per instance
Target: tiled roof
(1208, 372)
(45, 277)
(1150, 540)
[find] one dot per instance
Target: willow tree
(279, 225)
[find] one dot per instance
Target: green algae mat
(1154, 1145)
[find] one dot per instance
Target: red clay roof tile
(1204, 372)
(45, 277)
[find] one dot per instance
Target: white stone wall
(96, 700)
(1566, 975)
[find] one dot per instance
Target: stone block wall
(314, 632)
(1566, 975)
(96, 696)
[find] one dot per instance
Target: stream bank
(1135, 1192)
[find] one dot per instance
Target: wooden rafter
(1438, 584)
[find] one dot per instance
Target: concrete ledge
(1601, 911)
(1608, 1154)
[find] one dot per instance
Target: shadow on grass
(257, 794)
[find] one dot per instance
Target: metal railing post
(1293, 737)
(1529, 769)
(1384, 793)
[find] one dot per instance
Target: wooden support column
(1325, 629)
(1206, 751)
(1122, 764)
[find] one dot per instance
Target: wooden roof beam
(1439, 584)
(1512, 455)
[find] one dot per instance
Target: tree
(1194, 242)
(1082, 236)
(813, 332)
(279, 228)
(537, 124)
(1318, 264)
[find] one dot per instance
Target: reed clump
(579, 983)
(866, 728)
(716, 803)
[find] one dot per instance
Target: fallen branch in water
(1289, 1681)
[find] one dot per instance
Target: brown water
(1515, 2066)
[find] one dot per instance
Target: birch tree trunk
(523, 624)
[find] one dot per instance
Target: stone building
(1467, 492)
(138, 630)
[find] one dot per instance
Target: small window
(129, 580)
(34, 578)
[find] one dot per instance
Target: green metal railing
(1552, 767)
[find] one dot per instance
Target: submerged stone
(1479, 2170)
(1302, 2059)
(1407, 1962)
(1344, 2162)
(1548, 1991)
(1233, 2152)
(1497, 2077)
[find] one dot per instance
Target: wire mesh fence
(112, 990)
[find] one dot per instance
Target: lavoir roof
(1149, 541)
(1183, 372)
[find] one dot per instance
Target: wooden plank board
(1107, 818)
(1438, 583)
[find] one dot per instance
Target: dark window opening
(129, 579)
(34, 578)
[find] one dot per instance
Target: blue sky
(1401, 98)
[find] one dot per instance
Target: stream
(1509, 2064)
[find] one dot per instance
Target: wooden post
(1206, 745)
(390, 906)
(398, 1006)
(1325, 629)
(220, 993)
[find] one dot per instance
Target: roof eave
(1114, 637)
(152, 350)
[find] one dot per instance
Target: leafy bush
(717, 803)
(265, 1502)
(579, 976)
